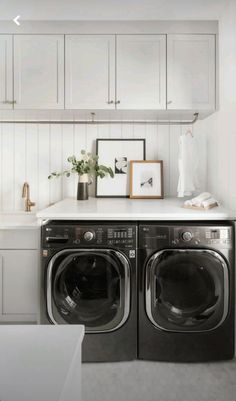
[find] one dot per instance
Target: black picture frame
(99, 141)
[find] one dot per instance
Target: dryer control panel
(204, 236)
(160, 236)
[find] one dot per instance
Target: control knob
(187, 236)
(88, 236)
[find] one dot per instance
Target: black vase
(82, 191)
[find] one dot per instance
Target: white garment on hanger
(187, 165)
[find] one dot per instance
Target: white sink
(18, 219)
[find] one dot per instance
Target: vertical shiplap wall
(29, 152)
(222, 135)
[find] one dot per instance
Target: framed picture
(117, 153)
(146, 179)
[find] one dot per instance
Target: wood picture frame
(146, 179)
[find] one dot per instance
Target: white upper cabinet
(141, 72)
(39, 71)
(191, 72)
(90, 72)
(107, 72)
(6, 77)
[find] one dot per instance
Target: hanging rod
(102, 122)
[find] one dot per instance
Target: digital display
(217, 234)
(120, 233)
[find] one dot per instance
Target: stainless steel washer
(89, 278)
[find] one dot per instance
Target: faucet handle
(29, 204)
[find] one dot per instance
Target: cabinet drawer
(19, 239)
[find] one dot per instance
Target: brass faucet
(26, 195)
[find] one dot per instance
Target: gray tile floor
(154, 381)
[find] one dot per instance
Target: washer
(89, 278)
(186, 304)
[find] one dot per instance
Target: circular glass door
(187, 290)
(89, 287)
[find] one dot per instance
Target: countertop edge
(169, 209)
(19, 227)
(135, 217)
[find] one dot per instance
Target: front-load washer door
(89, 287)
(186, 290)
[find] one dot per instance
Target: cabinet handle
(110, 102)
(117, 102)
(170, 101)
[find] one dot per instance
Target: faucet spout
(26, 195)
(25, 190)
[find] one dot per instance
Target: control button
(187, 236)
(88, 236)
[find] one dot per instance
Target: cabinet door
(39, 71)
(19, 286)
(90, 72)
(6, 74)
(191, 72)
(141, 72)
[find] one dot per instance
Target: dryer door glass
(89, 287)
(187, 290)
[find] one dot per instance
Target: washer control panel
(120, 236)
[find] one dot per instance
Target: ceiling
(112, 9)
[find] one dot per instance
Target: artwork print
(117, 153)
(121, 165)
(146, 179)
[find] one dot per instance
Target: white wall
(222, 126)
(111, 9)
(29, 152)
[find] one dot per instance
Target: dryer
(186, 292)
(89, 278)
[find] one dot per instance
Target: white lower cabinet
(19, 285)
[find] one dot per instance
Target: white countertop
(130, 209)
